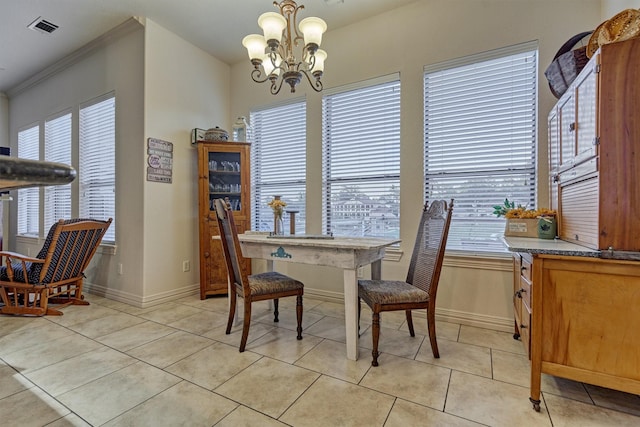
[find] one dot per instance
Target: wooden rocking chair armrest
(21, 257)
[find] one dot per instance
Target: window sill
(108, 248)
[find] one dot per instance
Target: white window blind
(279, 163)
(28, 198)
(479, 138)
(57, 148)
(98, 163)
(361, 158)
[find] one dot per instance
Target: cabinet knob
(572, 127)
(518, 294)
(207, 254)
(523, 326)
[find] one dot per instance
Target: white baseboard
(474, 319)
(443, 314)
(137, 300)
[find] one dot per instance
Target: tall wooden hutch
(576, 308)
(223, 172)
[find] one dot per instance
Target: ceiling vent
(43, 26)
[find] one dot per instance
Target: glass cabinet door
(224, 178)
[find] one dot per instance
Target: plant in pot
(525, 222)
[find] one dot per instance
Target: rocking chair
(55, 275)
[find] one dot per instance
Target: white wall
(612, 7)
(116, 65)
(185, 88)
(4, 142)
(164, 87)
(472, 290)
(4, 120)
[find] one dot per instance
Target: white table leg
(351, 312)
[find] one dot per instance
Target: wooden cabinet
(593, 141)
(223, 172)
(583, 320)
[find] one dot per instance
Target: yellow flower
(277, 205)
(529, 213)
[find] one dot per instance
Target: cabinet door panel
(554, 157)
(586, 102)
(579, 214)
(567, 132)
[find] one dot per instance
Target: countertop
(22, 173)
(547, 246)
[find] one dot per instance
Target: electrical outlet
(360, 272)
(186, 266)
(120, 268)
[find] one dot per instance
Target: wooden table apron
(345, 253)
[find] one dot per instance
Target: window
(57, 148)
(479, 139)
(279, 163)
(98, 162)
(90, 150)
(28, 198)
(361, 158)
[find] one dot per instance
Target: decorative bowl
(216, 134)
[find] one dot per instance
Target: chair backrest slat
(231, 247)
(429, 248)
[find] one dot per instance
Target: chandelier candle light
(274, 50)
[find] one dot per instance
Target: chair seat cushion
(18, 273)
(271, 282)
(390, 292)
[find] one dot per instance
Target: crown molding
(121, 30)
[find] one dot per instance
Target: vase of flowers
(277, 205)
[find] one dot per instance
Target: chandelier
(272, 54)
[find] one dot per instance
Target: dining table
(346, 253)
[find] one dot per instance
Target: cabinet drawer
(579, 171)
(525, 293)
(524, 328)
(525, 267)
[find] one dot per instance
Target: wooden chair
(55, 275)
(256, 287)
(419, 290)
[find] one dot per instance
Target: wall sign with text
(159, 160)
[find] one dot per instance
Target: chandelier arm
(275, 88)
(312, 61)
(316, 84)
(295, 27)
(256, 74)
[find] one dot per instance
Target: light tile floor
(116, 365)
